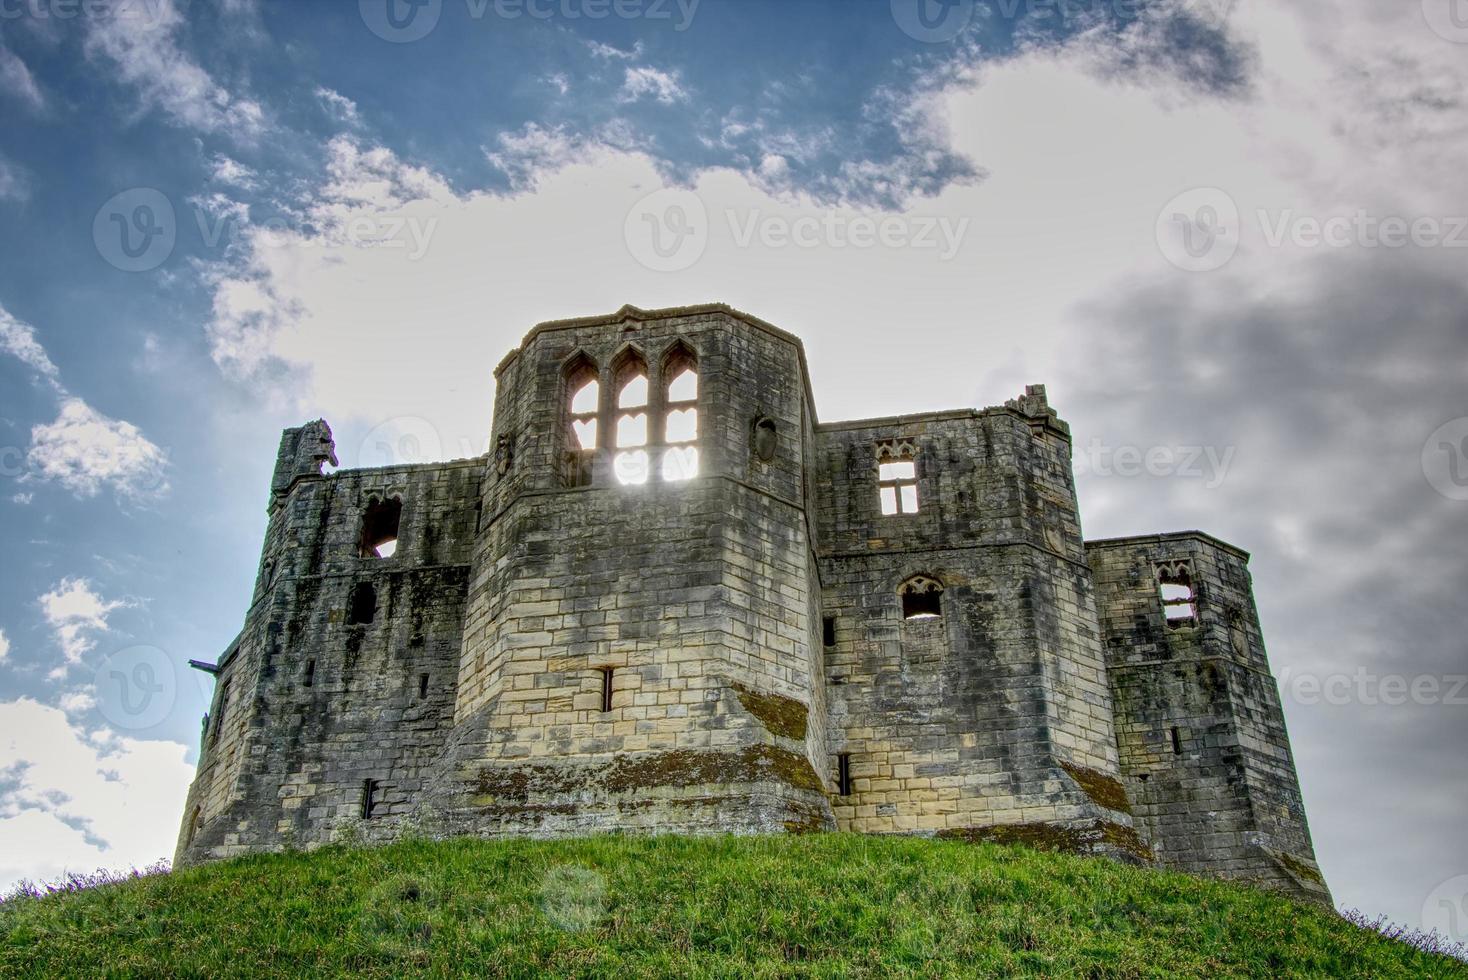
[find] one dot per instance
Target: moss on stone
(1299, 868)
(782, 716)
(1106, 791)
(753, 764)
(1102, 836)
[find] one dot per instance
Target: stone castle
(672, 600)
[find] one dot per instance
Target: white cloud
(607, 52)
(662, 86)
(533, 151)
(15, 183)
(18, 339)
(85, 451)
(338, 106)
(225, 170)
(4, 645)
(76, 614)
(146, 52)
(16, 80)
(78, 701)
(75, 801)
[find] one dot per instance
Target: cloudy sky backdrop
(1232, 238)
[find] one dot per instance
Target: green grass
(829, 905)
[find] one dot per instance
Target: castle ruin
(671, 600)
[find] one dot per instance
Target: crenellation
(669, 599)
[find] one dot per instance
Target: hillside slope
(820, 905)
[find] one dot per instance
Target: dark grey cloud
(1326, 392)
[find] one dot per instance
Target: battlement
(670, 599)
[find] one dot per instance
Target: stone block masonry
(672, 600)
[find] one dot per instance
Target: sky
(1231, 236)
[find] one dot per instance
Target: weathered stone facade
(889, 626)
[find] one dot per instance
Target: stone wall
(998, 712)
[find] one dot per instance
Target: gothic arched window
(680, 421)
(630, 464)
(583, 402)
(922, 598)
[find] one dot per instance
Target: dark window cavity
(843, 774)
(310, 673)
(380, 528)
(223, 705)
(362, 604)
(606, 688)
(922, 598)
(766, 439)
(422, 686)
(828, 631)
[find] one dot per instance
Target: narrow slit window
(922, 598)
(223, 706)
(606, 688)
(680, 424)
(582, 408)
(370, 789)
(1177, 742)
(422, 686)
(1179, 601)
(380, 528)
(897, 487)
(194, 823)
(310, 677)
(630, 464)
(843, 774)
(828, 631)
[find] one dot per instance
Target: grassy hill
(821, 905)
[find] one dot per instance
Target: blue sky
(331, 216)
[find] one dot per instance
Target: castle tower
(1204, 751)
(642, 647)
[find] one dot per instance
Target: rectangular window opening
(422, 686)
(843, 774)
(606, 689)
(897, 487)
(828, 631)
(1177, 742)
(223, 704)
(310, 677)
